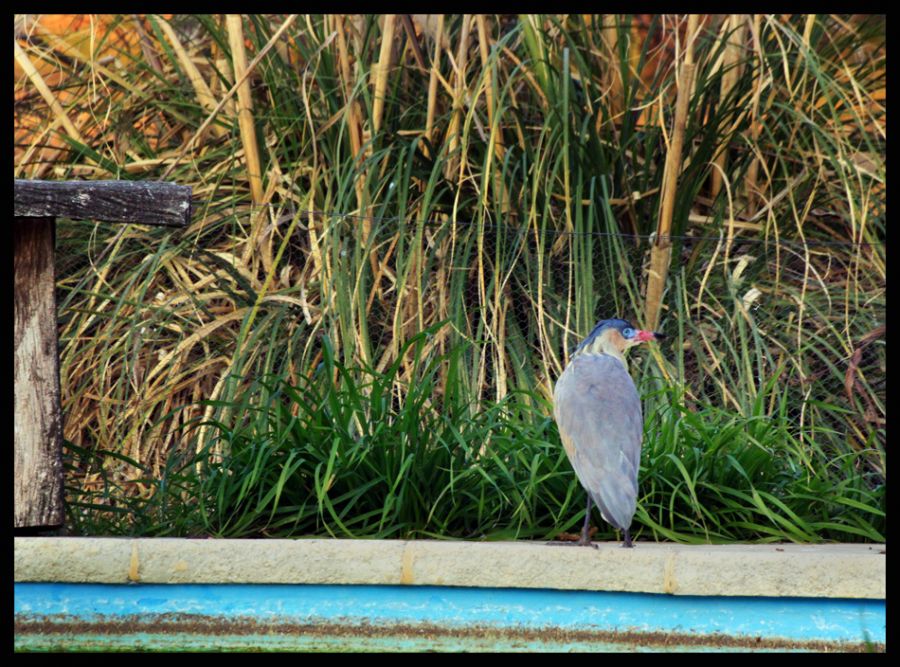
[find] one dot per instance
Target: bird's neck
(604, 344)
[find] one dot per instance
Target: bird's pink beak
(644, 336)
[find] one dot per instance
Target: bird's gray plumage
(598, 410)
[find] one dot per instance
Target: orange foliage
(48, 40)
(76, 34)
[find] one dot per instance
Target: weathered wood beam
(38, 490)
(37, 465)
(137, 202)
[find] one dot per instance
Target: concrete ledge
(782, 570)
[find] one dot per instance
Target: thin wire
(562, 232)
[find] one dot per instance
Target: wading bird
(598, 411)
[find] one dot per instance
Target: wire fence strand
(431, 222)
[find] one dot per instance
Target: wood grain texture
(140, 202)
(38, 469)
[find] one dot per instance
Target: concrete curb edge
(776, 570)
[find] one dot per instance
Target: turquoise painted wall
(40, 608)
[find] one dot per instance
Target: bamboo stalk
(269, 45)
(235, 28)
(661, 252)
(736, 25)
(612, 73)
(433, 79)
(354, 122)
(751, 189)
(381, 71)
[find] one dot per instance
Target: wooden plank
(140, 202)
(38, 469)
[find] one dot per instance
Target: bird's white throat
(603, 345)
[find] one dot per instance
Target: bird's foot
(586, 542)
(626, 544)
(583, 541)
(579, 543)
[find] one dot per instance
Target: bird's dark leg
(585, 540)
(627, 543)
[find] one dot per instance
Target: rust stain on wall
(214, 626)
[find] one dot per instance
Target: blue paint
(797, 619)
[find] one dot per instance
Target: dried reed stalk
(496, 134)
(38, 82)
(484, 50)
(354, 120)
(381, 71)
(433, 79)
(661, 252)
(751, 189)
(736, 24)
(452, 136)
(356, 130)
(612, 74)
(234, 24)
(410, 29)
(223, 65)
(145, 43)
(198, 83)
(268, 47)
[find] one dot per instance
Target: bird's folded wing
(598, 411)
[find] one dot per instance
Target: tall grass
(344, 454)
(513, 204)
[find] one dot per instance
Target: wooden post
(38, 470)
(38, 417)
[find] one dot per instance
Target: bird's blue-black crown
(621, 325)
